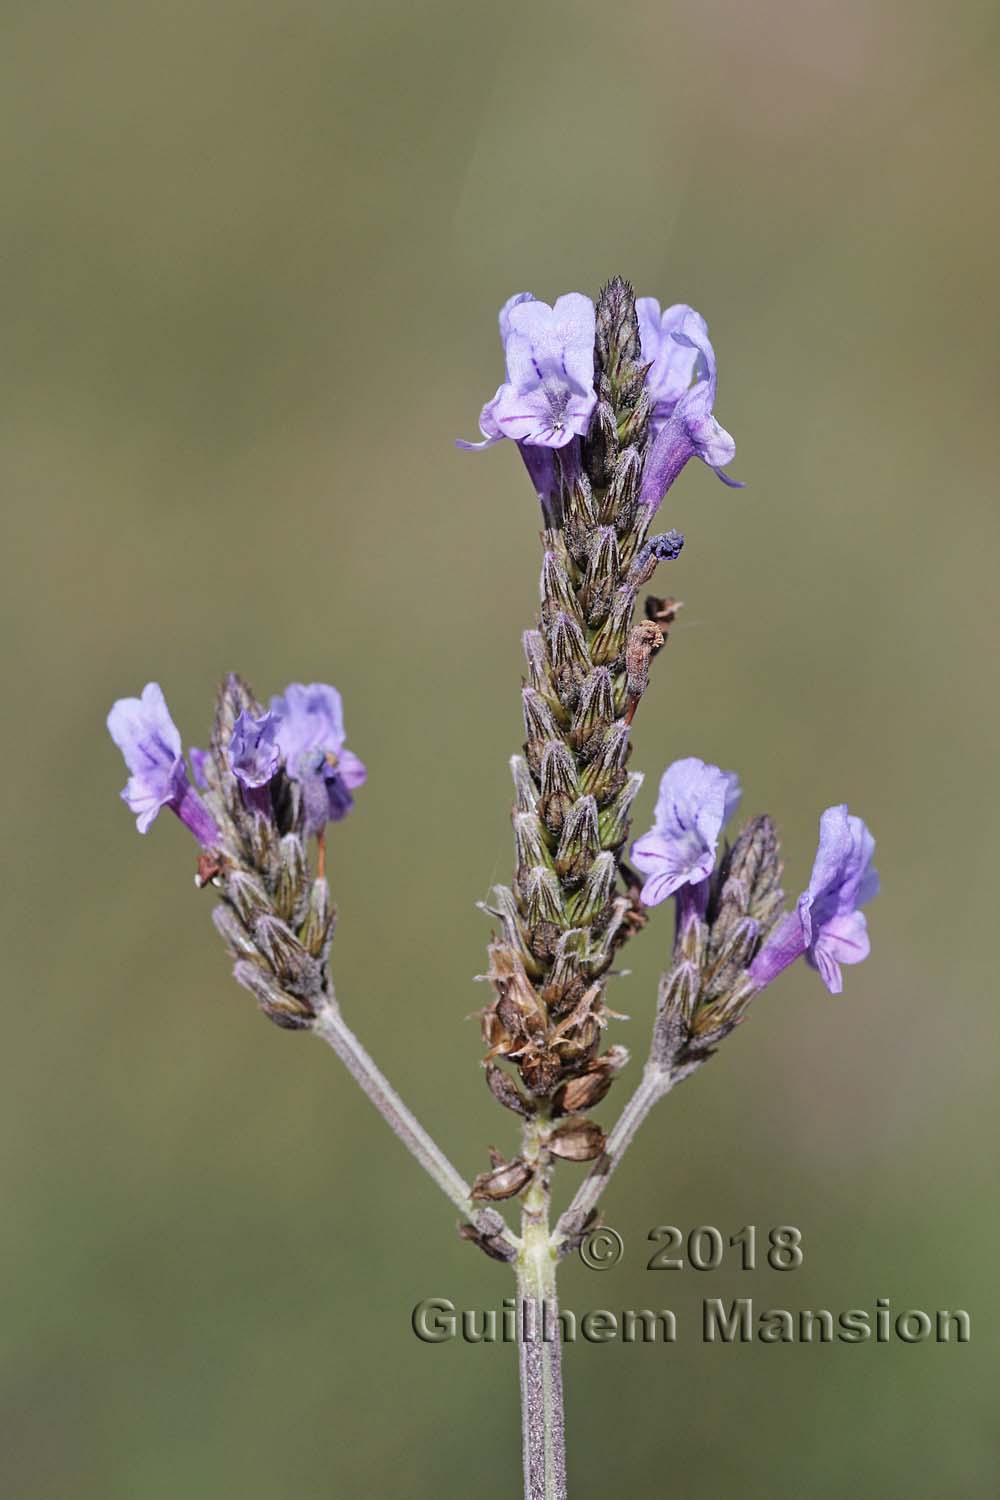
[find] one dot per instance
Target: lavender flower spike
(827, 926)
(695, 801)
(690, 430)
(148, 739)
(310, 738)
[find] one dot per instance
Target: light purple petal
(199, 760)
(310, 718)
(151, 745)
(693, 803)
(351, 770)
(672, 363)
(253, 749)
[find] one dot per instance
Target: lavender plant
(606, 406)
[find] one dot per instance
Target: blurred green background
(253, 255)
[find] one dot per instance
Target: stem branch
(654, 1085)
(331, 1027)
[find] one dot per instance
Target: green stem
(539, 1334)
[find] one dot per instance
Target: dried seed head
(578, 1140)
(506, 1092)
(504, 1181)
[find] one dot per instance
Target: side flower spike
(827, 926)
(686, 427)
(310, 738)
(151, 745)
(694, 803)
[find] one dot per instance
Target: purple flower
(827, 926)
(695, 801)
(199, 760)
(148, 739)
(255, 758)
(310, 739)
(671, 362)
(548, 398)
(253, 749)
(683, 421)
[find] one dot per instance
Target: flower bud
(618, 505)
(234, 935)
(586, 905)
(538, 667)
(569, 658)
(290, 888)
(559, 785)
(525, 790)
(246, 895)
(605, 775)
(557, 595)
(539, 726)
(317, 927)
(601, 445)
(608, 646)
(505, 908)
(733, 957)
(614, 821)
(542, 896)
(603, 575)
(294, 968)
(529, 843)
(579, 843)
(287, 1011)
(595, 712)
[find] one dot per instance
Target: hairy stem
(331, 1027)
(539, 1334)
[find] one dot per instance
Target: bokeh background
(252, 259)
